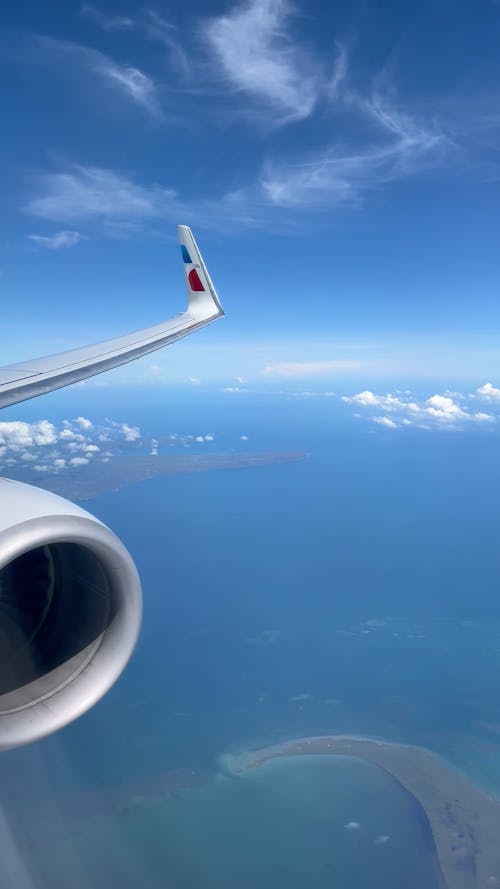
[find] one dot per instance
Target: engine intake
(70, 611)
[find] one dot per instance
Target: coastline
(464, 819)
(87, 482)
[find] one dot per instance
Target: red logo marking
(194, 280)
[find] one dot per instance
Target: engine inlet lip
(62, 705)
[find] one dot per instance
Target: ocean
(355, 591)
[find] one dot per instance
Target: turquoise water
(300, 822)
(354, 592)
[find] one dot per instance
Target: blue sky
(338, 163)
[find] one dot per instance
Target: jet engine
(70, 611)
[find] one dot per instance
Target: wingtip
(203, 300)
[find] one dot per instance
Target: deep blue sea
(355, 591)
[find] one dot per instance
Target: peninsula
(86, 482)
(465, 820)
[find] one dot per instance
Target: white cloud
(199, 438)
(69, 435)
(339, 176)
(133, 82)
(257, 56)
(106, 22)
(59, 463)
(164, 32)
(130, 433)
(209, 437)
(382, 839)
(93, 193)
(437, 410)
(339, 73)
(235, 390)
(243, 437)
(308, 368)
(352, 825)
(488, 392)
(17, 434)
(58, 241)
(385, 421)
(78, 461)
(92, 449)
(44, 432)
(84, 423)
(84, 66)
(442, 407)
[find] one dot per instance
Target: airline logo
(193, 276)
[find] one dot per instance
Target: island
(464, 820)
(86, 482)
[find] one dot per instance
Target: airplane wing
(19, 382)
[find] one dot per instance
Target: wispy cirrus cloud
(104, 21)
(336, 175)
(59, 241)
(96, 194)
(256, 55)
(165, 33)
(84, 65)
(133, 83)
(298, 369)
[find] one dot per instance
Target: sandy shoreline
(465, 820)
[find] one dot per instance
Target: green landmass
(86, 482)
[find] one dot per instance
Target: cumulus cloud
(58, 241)
(84, 423)
(308, 368)
(18, 434)
(352, 825)
(488, 392)
(70, 435)
(42, 446)
(130, 433)
(437, 411)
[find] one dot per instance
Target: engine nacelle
(70, 611)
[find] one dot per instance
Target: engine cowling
(70, 611)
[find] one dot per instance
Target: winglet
(203, 302)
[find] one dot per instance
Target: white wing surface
(19, 382)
